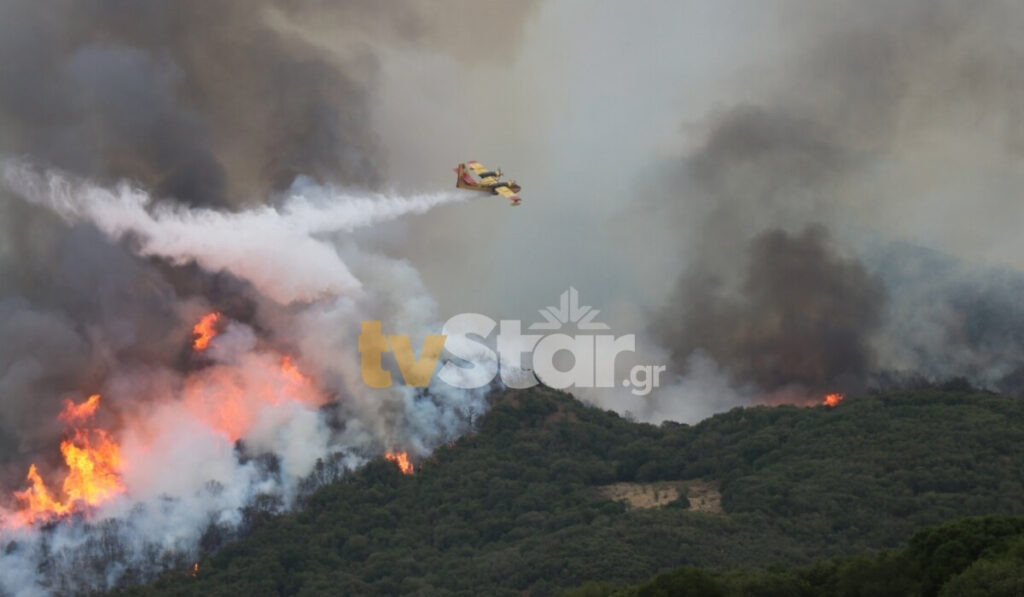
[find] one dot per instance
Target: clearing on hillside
(703, 495)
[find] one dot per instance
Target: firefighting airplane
(489, 181)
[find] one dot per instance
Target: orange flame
(93, 459)
(205, 331)
(231, 403)
(77, 413)
(195, 570)
(297, 381)
(402, 460)
(833, 400)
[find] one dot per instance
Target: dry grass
(703, 495)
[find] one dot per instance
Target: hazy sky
(596, 97)
(601, 102)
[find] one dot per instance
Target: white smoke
(279, 250)
(185, 479)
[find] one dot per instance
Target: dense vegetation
(974, 557)
(516, 507)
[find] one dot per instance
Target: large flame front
(402, 460)
(230, 396)
(93, 459)
(833, 399)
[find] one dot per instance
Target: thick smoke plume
(795, 209)
(217, 102)
(801, 317)
(206, 102)
(839, 211)
(244, 418)
(169, 160)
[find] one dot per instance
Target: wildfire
(205, 331)
(231, 398)
(833, 400)
(402, 460)
(195, 570)
(297, 381)
(93, 459)
(77, 413)
(231, 402)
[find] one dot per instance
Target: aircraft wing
(507, 193)
(486, 175)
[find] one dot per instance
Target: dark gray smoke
(778, 309)
(206, 102)
(216, 104)
(203, 102)
(72, 305)
(856, 141)
(801, 317)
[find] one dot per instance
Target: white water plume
(277, 249)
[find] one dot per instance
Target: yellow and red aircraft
(490, 181)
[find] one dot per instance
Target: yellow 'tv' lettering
(372, 344)
(415, 372)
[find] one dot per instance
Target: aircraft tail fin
(464, 180)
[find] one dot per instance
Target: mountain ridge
(517, 505)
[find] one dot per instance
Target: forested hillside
(973, 557)
(524, 503)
